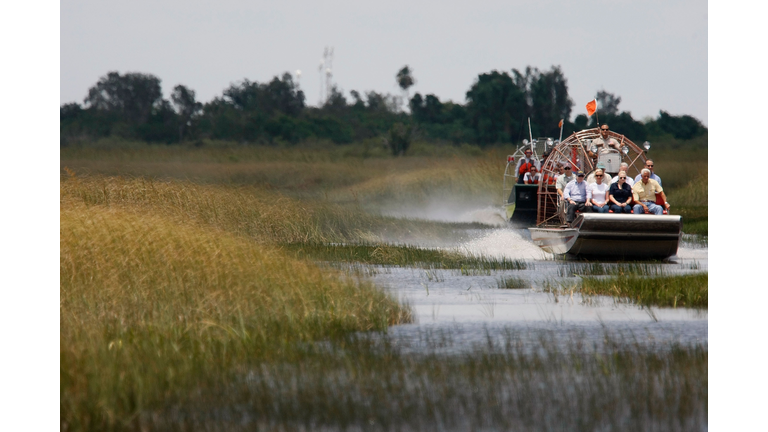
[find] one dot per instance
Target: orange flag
(591, 107)
(561, 123)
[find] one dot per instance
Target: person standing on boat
(597, 193)
(649, 167)
(564, 178)
(524, 165)
(624, 167)
(575, 195)
(604, 141)
(620, 194)
(644, 192)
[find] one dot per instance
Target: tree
(546, 96)
(495, 107)
(186, 107)
(132, 96)
(681, 127)
(405, 80)
(608, 103)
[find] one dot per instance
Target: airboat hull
(617, 236)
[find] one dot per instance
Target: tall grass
(518, 384)
(666, 291)
(152, 310)
(249, 211)
(405, 255)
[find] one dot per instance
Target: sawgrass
(520, 382)
(152, 310)
(401, 255)
(688, 290)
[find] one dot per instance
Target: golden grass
(152, 309)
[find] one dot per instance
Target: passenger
(620, 194)
(564, 179)
(532, 176)
(524, 165)
(624, 167)
(649, 167)
(575, 194)
(603, 142)
(606, 177)
(644, 192)
(550, 179)
(597, 193)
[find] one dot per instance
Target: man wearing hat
(606, 179)
(575, 195)
(564, 178)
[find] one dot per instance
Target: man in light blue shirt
(575, 194)
(649, 166)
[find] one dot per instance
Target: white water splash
(504, 243)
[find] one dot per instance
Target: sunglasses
(599, 175)
(567, 168)
(622, 178)
(651, 165)
(603, 129)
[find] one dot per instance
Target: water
(470, 306)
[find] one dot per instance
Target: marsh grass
(404, 256)
(152, 310)
(522, 384)
(512, 282)
(250, 211)
(615, 269)
(688, 290)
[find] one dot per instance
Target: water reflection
(472, 306)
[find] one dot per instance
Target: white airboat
(612, 235)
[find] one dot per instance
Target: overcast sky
(653, 54)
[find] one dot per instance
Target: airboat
(618, 236)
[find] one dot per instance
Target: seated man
(564, 179)
(524, 165)
(575, 194)
(649, 167)
(620, 194)
(625, 167)
(644, 192)
(532, 176)
(603, 142)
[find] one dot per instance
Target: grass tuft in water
(404, 256)
(665, 291)
(512, 282)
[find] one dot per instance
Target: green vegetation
(404, 256)
(516, 384)
(665, 291)
(153, 309)
(497, 105)
(217, 287)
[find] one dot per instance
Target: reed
(688, 290)
(152, 309)
(249, 211)
(516, 382)
(401, 255)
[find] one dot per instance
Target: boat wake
(504, 243)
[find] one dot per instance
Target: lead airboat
(617, 236)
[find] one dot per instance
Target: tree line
(496, 110)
